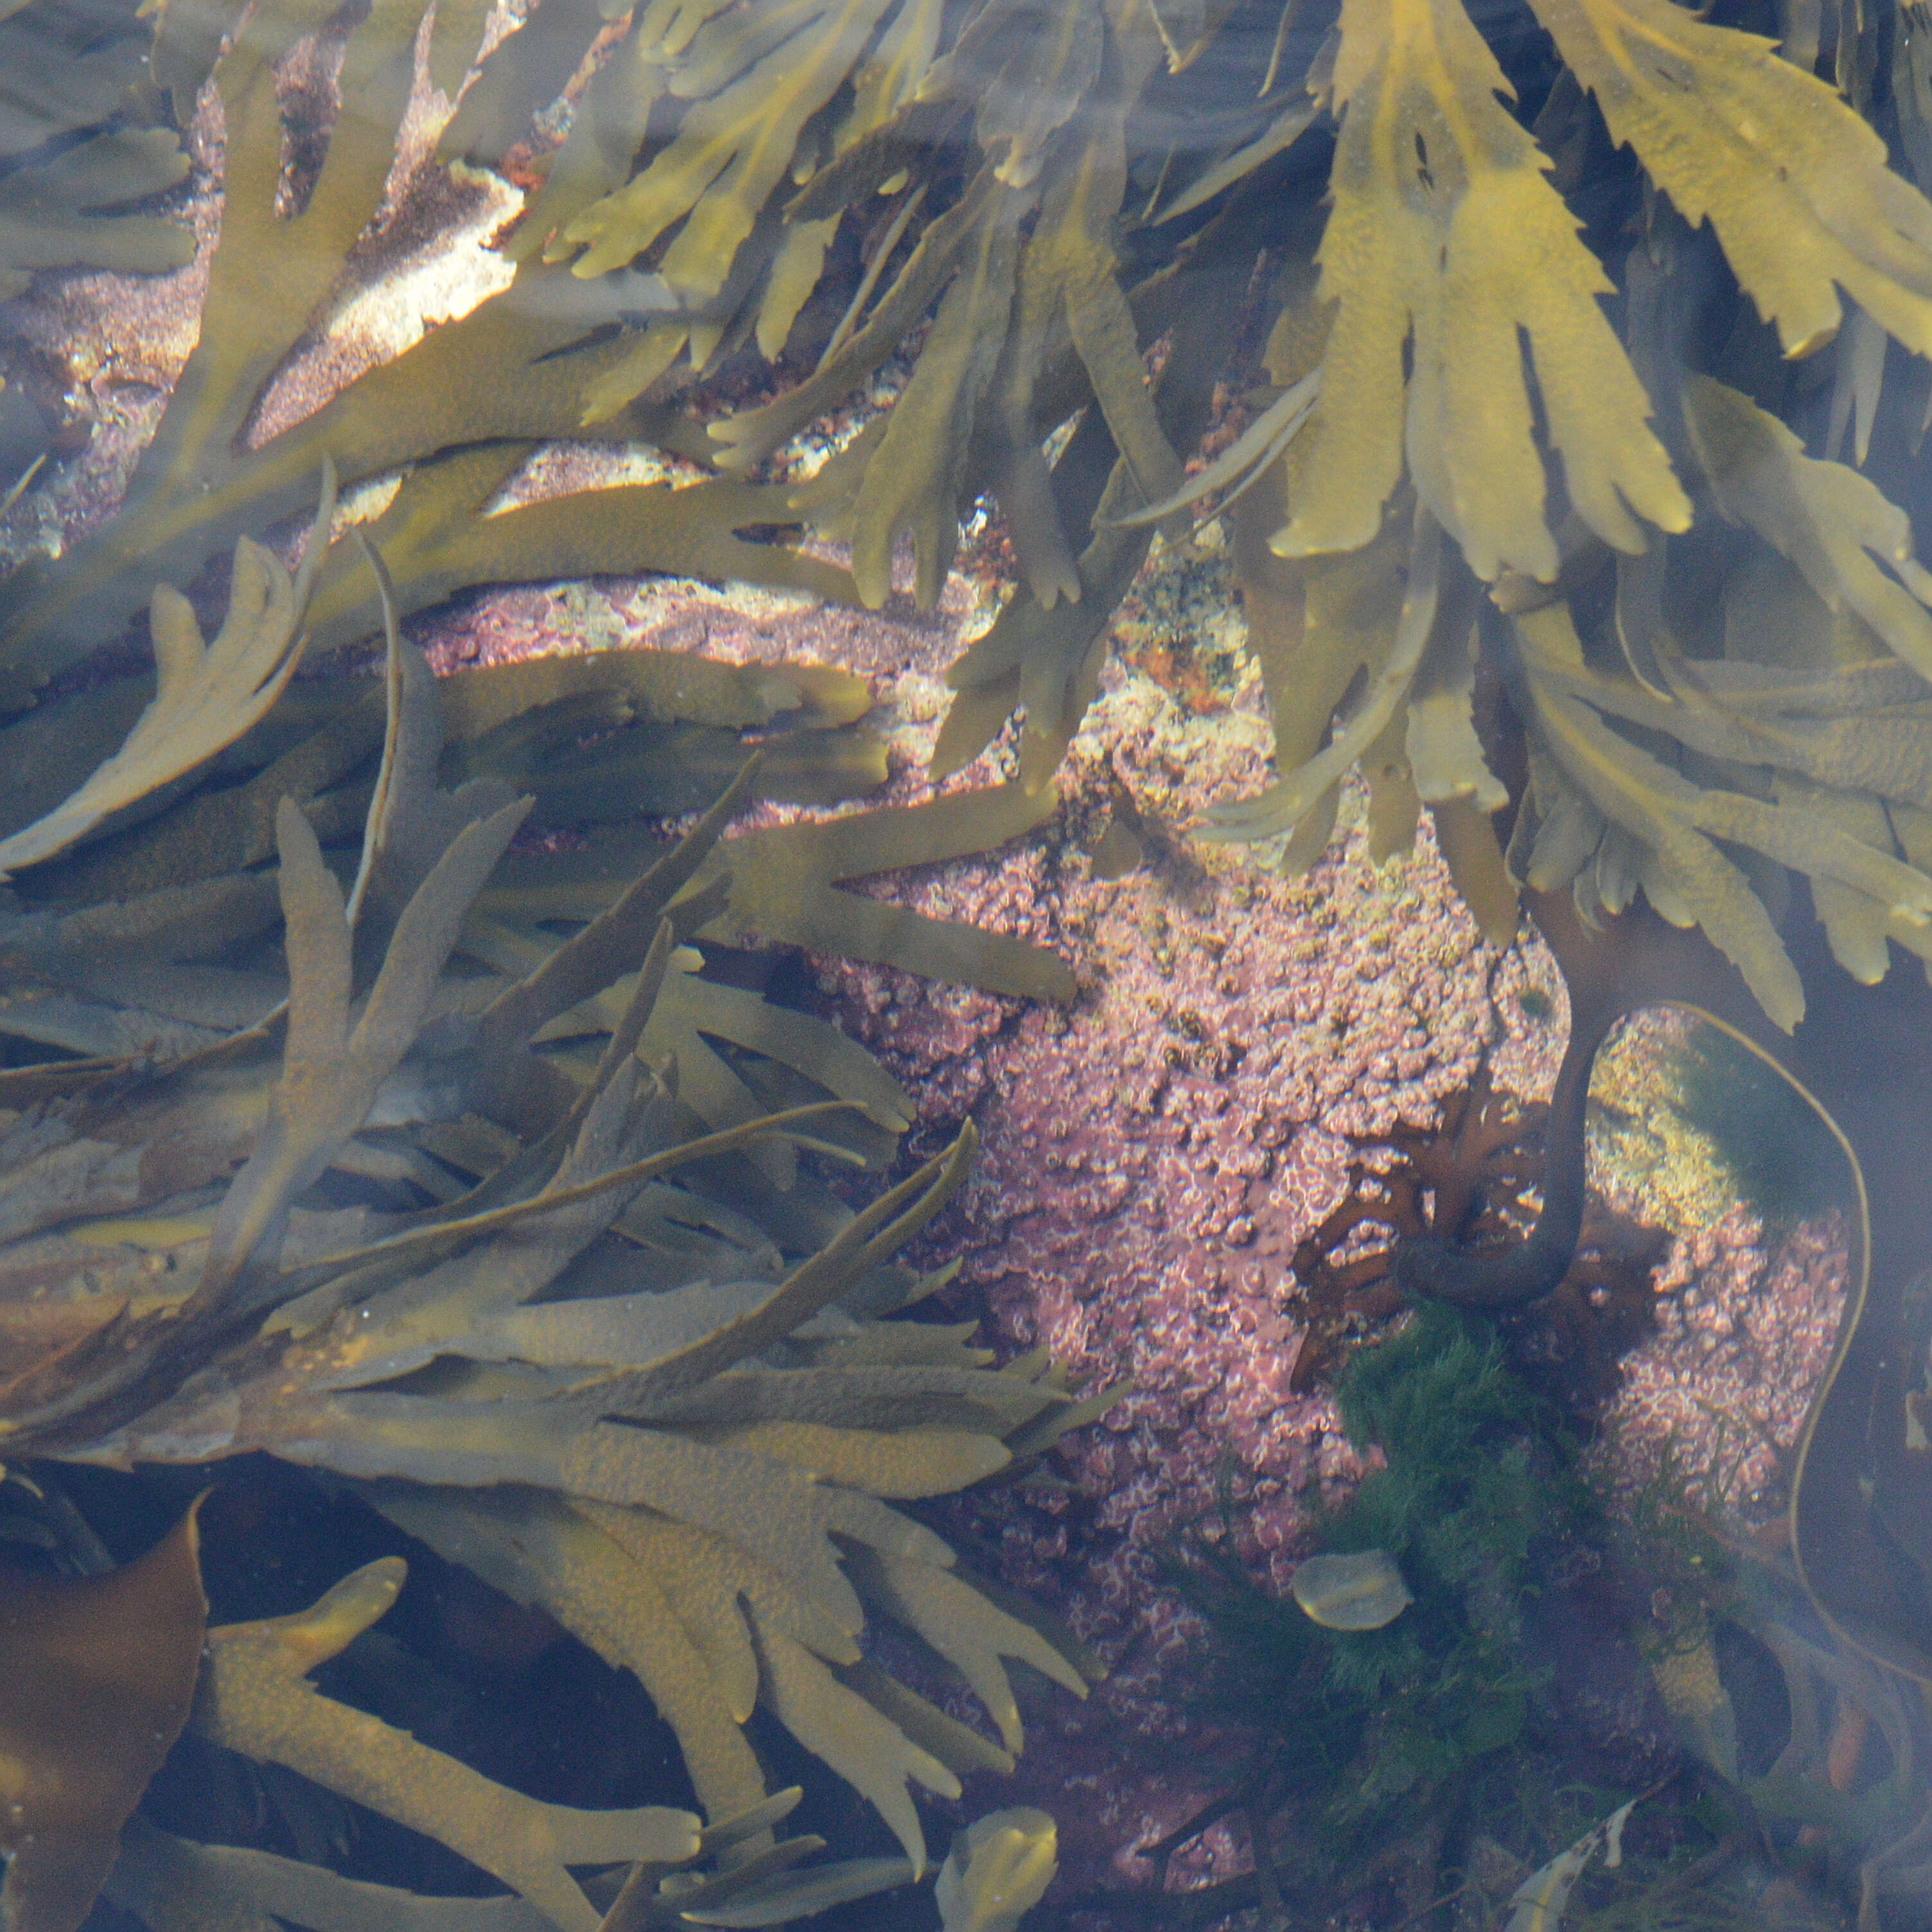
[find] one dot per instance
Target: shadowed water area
(964, 963)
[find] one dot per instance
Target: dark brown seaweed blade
(100, 1675)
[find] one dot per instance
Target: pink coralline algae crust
(1746, 1314)
(1153, 1155)
(1745, 1326)
(670, 614)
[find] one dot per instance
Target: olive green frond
(1823, 518)
(1791, 181)
(490, 386)
(694, 1474)
(255, 1698)
(1447, 237)
(755, 78)
(53, 211)
(784, 880)
(195, 713)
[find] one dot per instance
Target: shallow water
(965, 961)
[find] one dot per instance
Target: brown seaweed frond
(1423, 517)
(105, 1671)
(1057, 216)
(1852, 1772)
(78, 147)
(254, 1697)
(1398, 465)
(438, 1211)
(1475, 1182)
(455, 417)
(461, 410)
(101, 1674)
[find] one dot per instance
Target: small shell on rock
(1360, 1591)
